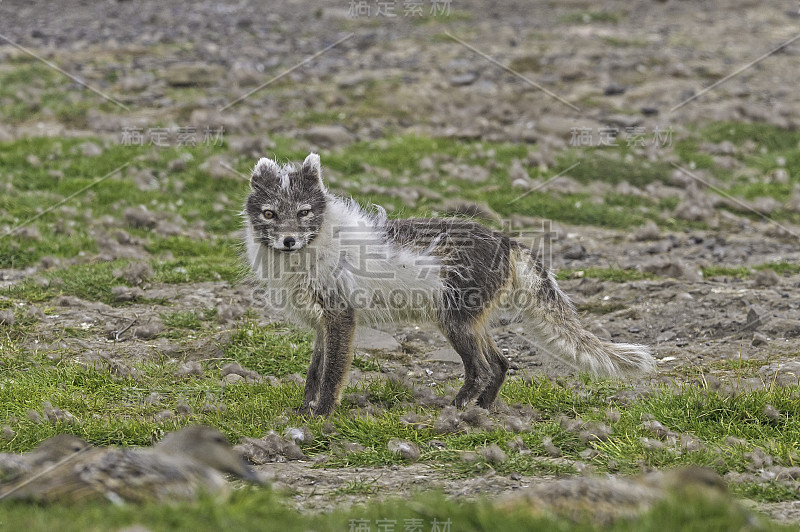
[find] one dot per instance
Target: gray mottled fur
(454, 272)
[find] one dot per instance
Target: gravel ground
(587, 65)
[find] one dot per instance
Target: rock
(665, 336)
(329, 136)
(7, 317)
(783, 327)
(194, 75)
(444, 354)
(764, 278)
(220, 167)
(232, 378)
(575, 252)
(671, 267)
(148, 331)
(139, 217)
(7, 433)
(369, 339)
(771, 412)
(126, 293)
(191, 367)
(613, 89)
(299, 436)
(229, 313)
(405, 449)
(135, 273)
(90, 149)
(759, 339)
(460, 80)
(649, 231)
(493, 454)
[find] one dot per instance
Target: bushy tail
(553, 322)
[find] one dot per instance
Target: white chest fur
(351, 263)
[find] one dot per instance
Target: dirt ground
(629, 68)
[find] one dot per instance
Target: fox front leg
(339, 327)
(311, 395)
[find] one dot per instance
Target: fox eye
(303, 213)
(268, 214)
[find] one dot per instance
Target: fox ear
(266, 170)
(311, 171)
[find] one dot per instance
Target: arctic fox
(330, 264)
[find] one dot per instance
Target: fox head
(286, 205)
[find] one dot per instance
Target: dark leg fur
(499, 366)
(468, 344)
(339, 329)
(311, 396)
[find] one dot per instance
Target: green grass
(111, 409)
(250, 509)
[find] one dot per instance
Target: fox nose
(288, 242)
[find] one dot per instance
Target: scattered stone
(135, 273)
(672, 267)
(469, 457)
(7, 433)
(575, 252)
(191, 367)
(765, 278)
(648, 232)
(139, 217)
(493, 454)
(327, 136)
(461, 80)
(514, 424)
(300, 436)
(7, 317)
(199, 74)
(127, 293)
(406, 449)
(414, 420)
(232, 378)
(90, 149)
(444, 354)
(184, 409)
(665, 336)
(478, 418)
(613, 89)
(759, 339)
(34, 416)
(149, 330)
(164, 415)
(229, 313)
(657, 429)
(448, 421)
(219, 167)
(595, 432)
(369, 339)
(651, 444)
(551, 448)
(53, 414)
(518, 445)
(771, 412)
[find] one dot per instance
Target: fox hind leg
(499, 368)
(478, 373)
